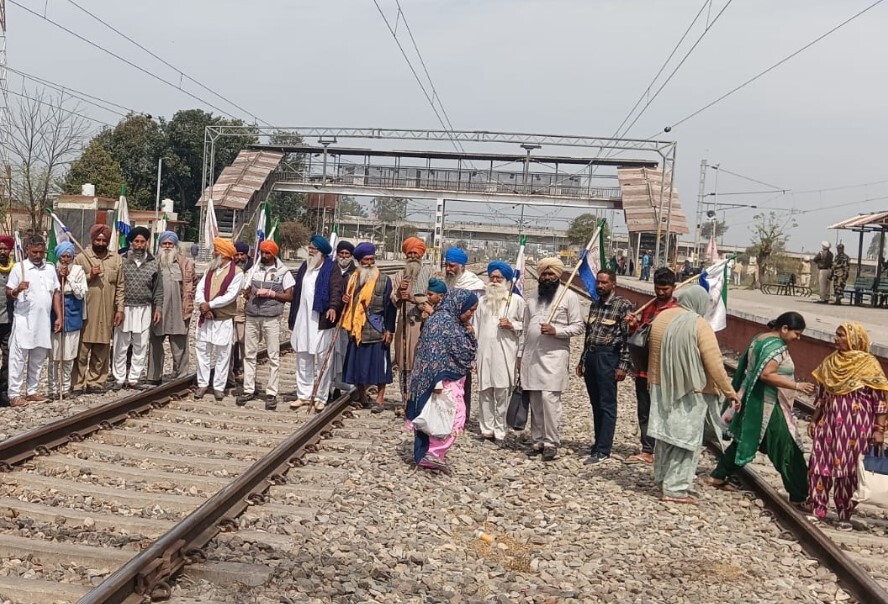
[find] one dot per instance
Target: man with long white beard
(269, 285)
(499, 331)
(369, 319)
(216, 301)
(346, 265)
(104, 311)
(142, 303)
(177, 277)
(544, 362)
(67, 341)
(457, 277)
(317, 301)
(34, 286)
(409, 294)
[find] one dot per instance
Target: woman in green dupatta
(765, 380)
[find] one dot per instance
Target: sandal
(720, 484)
(640, 458)
(686, 499)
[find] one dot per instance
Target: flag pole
(350, 291)
(682, 284)
(62, 346)
(522, 242)
(573, 274)
(70, 235)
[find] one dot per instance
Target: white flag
(715, 280)
(211, 229)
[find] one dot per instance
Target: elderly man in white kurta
(66, 343)
(499, 331)
(34, 286)
(216, 300)
(546, 356)
(317, 301)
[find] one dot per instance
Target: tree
(872, 252)
(721, 228)
(288, 205)
(293, 235)
(136, 143)
(768, 240)
(583, 227)
(389, 209)
(348, 206)
(95, 166)
(45, 133)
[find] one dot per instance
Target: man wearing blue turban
(457, 277)
(66, 343)
(499, 323)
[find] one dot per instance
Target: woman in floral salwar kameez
(851, 411)
(444, 356)
(765, 381)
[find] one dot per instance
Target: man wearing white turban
(824, 262)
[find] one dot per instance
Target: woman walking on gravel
(767, 387)
(685, 374)
(851, 411)
(444, 356)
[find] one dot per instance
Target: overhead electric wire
(83, 96)
(122, 59)
(167, 63)
(59, 107)
(775, 65)
(750, 179)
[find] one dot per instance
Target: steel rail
(851, 574)
(148, 572)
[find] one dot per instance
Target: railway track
(859, 559)
(114, 501)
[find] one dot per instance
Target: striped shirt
(605, 327)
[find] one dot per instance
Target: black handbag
(519, 405)
(638, 347)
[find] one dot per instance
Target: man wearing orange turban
(269, 285)
(409, 295)
(104, 310)
(216, 300)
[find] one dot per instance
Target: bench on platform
(863, 287)
(880, 293)
(786, 286)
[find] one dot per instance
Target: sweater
(716, 378)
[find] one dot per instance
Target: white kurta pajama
(132, 332)
(495, 362)
(215, 336)
(65, 345)
(31, 336)
(310, 343)
(545, 363)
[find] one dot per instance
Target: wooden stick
(654, 299)
(62, 347)
(572, 275)
(329, 353)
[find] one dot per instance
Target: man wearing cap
(216, 300)
(244, 262)
(317, 301)
(824, 262)
(409, 288)
(269, 285)
(546, 355)
(7, 243)
(499, 326)
(346, 264)
(369, 319)
(66, 342)
(457, 277)
(34, 286)
(177, 280)
(142, 304)
(435, 292)
(104, 310)
(840, 272)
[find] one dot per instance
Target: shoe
(219, 395)
(534, 451)
(199, 393)
(18, 401)
(152, 382)
(36, 398)
(298, 403)
(334, 395)
(115, 386)
(377, 408)
(271, 403)
(595, 459)
(138, 386)
(319, 406)
(549, 453)
(291, 396)
(245, 398)
(95, 390)
(844, 525)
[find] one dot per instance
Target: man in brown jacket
(177, 273)
(104, 311)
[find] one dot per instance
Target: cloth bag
(872, 478)
(519, 404)
(639, 350)
(437, 417)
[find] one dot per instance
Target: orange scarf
(844, 372)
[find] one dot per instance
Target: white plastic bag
(436, 418)
(872, 487)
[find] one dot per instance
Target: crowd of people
(99, 321)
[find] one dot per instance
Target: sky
(554, 66)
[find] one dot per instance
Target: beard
(216, 263)
(366, 273)
(100, 249)
(451, 280)
(546, 291)
(166, 257)
(314, 262)
(411, 270)
(139, 255)
(344, 263)
(496, 295)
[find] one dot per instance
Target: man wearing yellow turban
(216, 300)
(408, 295)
